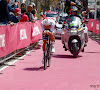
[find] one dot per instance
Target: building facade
(91, 4)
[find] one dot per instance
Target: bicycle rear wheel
(45, 56)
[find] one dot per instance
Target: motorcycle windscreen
(74, 22)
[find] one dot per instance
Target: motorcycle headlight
(73, 31)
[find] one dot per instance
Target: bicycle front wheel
(45, 56)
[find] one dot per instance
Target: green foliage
(38, 16)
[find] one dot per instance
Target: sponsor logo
(97, 26)
(92, 24)
(23, 34)
(2, 40)
(36, 31)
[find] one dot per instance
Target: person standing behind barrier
(34, 15)
(33, 4)
(11, 8)
(4, 13)
(88, 14)
(84, 15)
(16, 16)
(24, 17)
(23, 5)
(29, 14)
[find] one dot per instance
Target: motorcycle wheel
(75, 50)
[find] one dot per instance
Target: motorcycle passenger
(74, 12)
(48, 26)
(70, 3)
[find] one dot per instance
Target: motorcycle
(73, 36)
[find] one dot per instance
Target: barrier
(94, 26)
(18, 36)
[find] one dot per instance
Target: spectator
(88, 14)
(17, 4)
(24, 17)
(29, 14)
(98, 14)
(4, 12)
(12, 8)
(34, 10)
(34, 15)
(23, 5)
(33, 4)
(15, 17)
(84, 15)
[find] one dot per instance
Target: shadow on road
(35, 69)
(65, 56)
(92, 52)
(57, 38)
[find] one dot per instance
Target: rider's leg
(43, 47)
(86, 35)
(52, 43)
(52, 47)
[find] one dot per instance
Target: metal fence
(18, 52)
(94, 36)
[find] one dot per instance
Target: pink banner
(90, 24)
(24, 34)
(12, 38)
(4, 41)
(94, 26)
(36, 31)
(18, 36)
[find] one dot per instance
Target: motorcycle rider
(48, 26)
(74, 12)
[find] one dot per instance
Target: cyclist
(48, 26)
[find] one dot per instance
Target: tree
(45, 4)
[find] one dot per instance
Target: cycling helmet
(74, 10)
(47, 24)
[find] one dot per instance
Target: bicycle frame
(47, 54)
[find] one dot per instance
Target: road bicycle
(47, 52)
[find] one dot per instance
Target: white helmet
(46, 22)
(33, 4)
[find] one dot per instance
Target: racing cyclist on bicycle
(48, 26)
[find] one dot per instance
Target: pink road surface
(65, 73)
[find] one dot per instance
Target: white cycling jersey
(50, 22)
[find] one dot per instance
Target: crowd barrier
(94, 26)
(18, 36)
